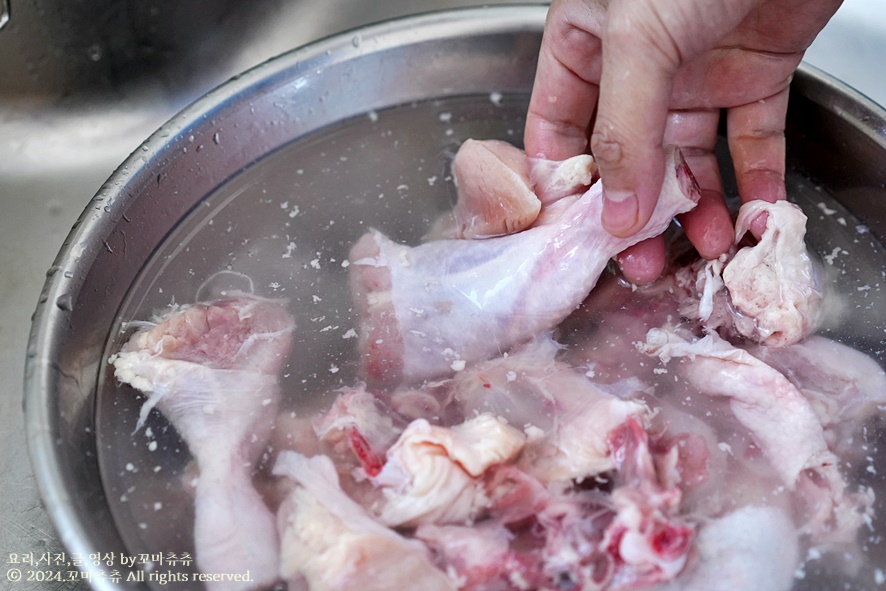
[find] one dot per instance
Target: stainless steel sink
(83, 84)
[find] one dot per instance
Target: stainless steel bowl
(483, 57)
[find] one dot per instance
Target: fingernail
(619, 211)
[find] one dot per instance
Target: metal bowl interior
(428, 82)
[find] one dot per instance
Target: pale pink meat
(500, 191)
(362, 424)
(330, 543)
(843, 384)
(543, 539)
(648, 537)
(211, 369)
(428, 310)
(763, 400)
(754, 548)
(768, 293)
(845, 387)
(494, 193)
(433, 474)
(566, 416)
(775, 282)
(479, 556)
(701, 447)
(781, 420)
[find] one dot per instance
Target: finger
(709, 225)
(645, 42)
(643, 262)
(756, 141)
(565, 92)
(639, 59)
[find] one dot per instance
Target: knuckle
(606, 146)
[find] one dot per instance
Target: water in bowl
(283, 229)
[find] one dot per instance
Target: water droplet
(356, 41)
(65, 302)
(216, 137)
(94, 52)
(52, 270)
(69, 274)
(144, 148)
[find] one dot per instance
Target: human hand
(654, 72)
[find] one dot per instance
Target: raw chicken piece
(419, 403)
(572, 553)
(774, 282)
(416, 304)
(845, 386)
(701, 447)
(514, 495)
(780, 419)
(554, 179)
(478, 558)
(494, 193)
(536, 539)
(587, 539)
(763, 400)
(330, 543)
(751, 549)
(433, 474)
(571, 415)
(701, 296)
(768, 293)
(211, 369)
(584, 539)
(359, 421)
(649, 541)
(500, 191)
